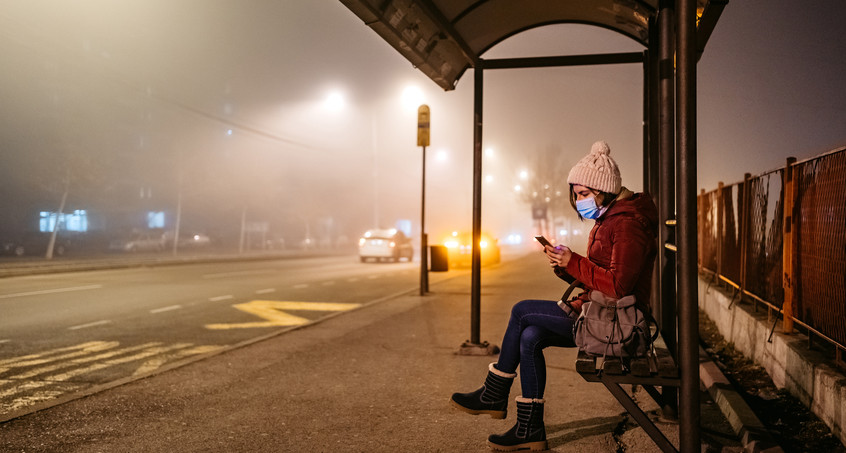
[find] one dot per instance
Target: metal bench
(659, 370)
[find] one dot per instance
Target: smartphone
(543, 241)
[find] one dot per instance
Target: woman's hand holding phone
(558, 255)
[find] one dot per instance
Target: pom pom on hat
(597, 170)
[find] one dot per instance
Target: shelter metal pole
(686, 230)
(474, 346)
(649, 156)
(667, 199)
(650, 151)
(475, 279)
(651, 181)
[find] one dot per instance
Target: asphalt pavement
(376, 379)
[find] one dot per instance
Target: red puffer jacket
(621, 251)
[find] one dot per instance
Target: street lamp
(335, 101)
(412, 97)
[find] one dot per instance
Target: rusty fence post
(744, 231)
(788, 246)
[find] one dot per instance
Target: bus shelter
(445, 38)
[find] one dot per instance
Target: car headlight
(451, 244)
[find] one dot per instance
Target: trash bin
(438, 258)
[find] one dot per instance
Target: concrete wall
(807, 374)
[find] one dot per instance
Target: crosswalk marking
(272, 313)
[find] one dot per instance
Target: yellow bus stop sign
(423, 125)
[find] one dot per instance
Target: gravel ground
(793, 425)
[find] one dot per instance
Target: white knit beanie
(597, 170)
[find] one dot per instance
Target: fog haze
(220, 107)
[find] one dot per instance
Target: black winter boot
(491, 398)
(529, 431)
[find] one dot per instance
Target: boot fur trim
(520, 399)
(493, 370)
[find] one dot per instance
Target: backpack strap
(573, 285)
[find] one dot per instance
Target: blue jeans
(534, 325)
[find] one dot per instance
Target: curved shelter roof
(443, 38)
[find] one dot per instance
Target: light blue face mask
(588, 209)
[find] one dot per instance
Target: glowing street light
(412, 98)
(335, 101)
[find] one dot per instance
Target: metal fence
(792, 260)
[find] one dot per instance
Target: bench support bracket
(640, 417)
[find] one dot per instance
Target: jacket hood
(638, 205)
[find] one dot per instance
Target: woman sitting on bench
(621, 253)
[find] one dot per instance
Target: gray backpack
(613, 327)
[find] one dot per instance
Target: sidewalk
(377, 379)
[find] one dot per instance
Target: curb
(753, 433)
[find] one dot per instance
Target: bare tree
(546, 190)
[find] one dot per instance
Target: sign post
(423, 140)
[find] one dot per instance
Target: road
(61, 334)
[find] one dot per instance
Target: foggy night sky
(148, 87)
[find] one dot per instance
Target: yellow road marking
(37, 397)
(157, 362)
(13, 361)
(100, 346)
(28, 387)
(50, 368)
(271, 311)
(118, 361)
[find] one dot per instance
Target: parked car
(195, 240)
(262, 242)
(11, 248)
(381, 244)
(34, 244)
(460, 249)
(139, 242)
